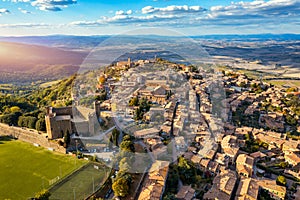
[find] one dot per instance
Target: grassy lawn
(280, 83)
(81, 184)
(26, 169)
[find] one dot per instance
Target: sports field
(26, 169)
(80, 184)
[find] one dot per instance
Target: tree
(281, 180)
(134, 101)
(40, 125)
(283, 165)
(11, 119)
(20, 121)
(186, 170)
(292, 89)
(102, 79)
(42, 195)
(67, 138)
(127, 146)
(169, 196)
(120, 187)
(31, 122)
(115, 136)
(126, 138)
(15, 109)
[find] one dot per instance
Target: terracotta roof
(223, 185)
(186, 193)
(247, 189)
(257, 154)
(273, 187)
(155, 182)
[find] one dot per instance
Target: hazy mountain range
(33, 58)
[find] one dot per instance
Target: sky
(113, 17)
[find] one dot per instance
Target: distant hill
(73, 41)
(27, 63)
(60, 41)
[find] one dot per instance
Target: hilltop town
(176, 131)
(210, 133)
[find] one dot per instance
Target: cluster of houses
(210, 140)
(195, 113)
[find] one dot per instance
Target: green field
(80, 184)
(26, 169)
(280, 83)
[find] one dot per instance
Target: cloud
(4, 11)
(258, 13)
(125, 20)
(258, 8)
(48, 5)
(52, 5)
(172, 9)
(24, 11)
(16, 1)
(25, 25)
(122, 12)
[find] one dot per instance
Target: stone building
(72, 119)
(154, 91)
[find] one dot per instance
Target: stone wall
(30, 136)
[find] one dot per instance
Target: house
(210, 154)
(290, 145)
(273, 121)
(297, 194)
(213, 167)
(180, 143)
(223, 186)
(155, 182)
(244, 165)
(258, 156)
(185, 193)
(204, 164)
(154, 91)
(124, 64)
(157, 114)
(276, 191)
(222, 159)
(294, 172)
(292, 158)
(230, 147)
(247, 190)
(146, 133)
(196, 160)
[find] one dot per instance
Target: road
(96, 137)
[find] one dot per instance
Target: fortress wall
(30, 137)
(62, 110)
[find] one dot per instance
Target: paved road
(96, 137)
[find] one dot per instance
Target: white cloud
(52, 5)
(4, 11)
(16, 1)
(172, 9)
(47, 5)
(129, 12)
(122, 12)
(257, 7)
(24, 11)
(125, 19)
(258, 13)
(25, 25)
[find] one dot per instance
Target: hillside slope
(28, 63)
